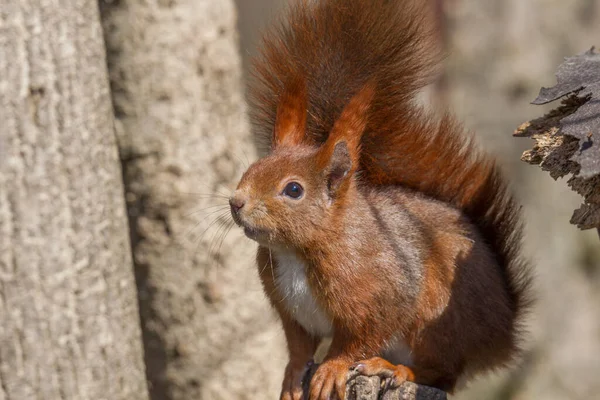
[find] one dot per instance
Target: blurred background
(500, 53)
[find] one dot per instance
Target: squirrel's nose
(237, 203)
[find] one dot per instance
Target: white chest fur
(292, 284)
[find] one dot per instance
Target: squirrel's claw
(292, 381)
(329, 382)
(395, 375)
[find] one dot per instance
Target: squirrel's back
(326, 51)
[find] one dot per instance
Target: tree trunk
(175, 76)
(69, 324)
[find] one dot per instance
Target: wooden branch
(374, 388)
(369, 388)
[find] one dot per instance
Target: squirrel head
(290, 197)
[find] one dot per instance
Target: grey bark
(370, 388)
(69, 322)
(374, 388)
(175, 74)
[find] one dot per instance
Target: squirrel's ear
(340, 154)
(340, 166)
(290, 123)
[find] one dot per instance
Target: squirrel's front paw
(292, 381)
(329, 382)
(377, 366)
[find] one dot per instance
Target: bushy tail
(337, 47)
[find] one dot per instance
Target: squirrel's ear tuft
(290, 123)
(340, 154)
(352, 123)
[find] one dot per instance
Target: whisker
(262, 270)
(217, 221)
(223, 223)
(228, 227)
(221, 207)
(211, 224)
(215, 191)
(272, 269)
(199, 240)
(206, 195)
(247, 160)
(215, 239)
(244, 164)
(214, 256)
(219, 210)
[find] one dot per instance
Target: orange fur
(404, 235)
(290, 123)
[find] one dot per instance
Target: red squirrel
(379, 224)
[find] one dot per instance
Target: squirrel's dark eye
(293, 190)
